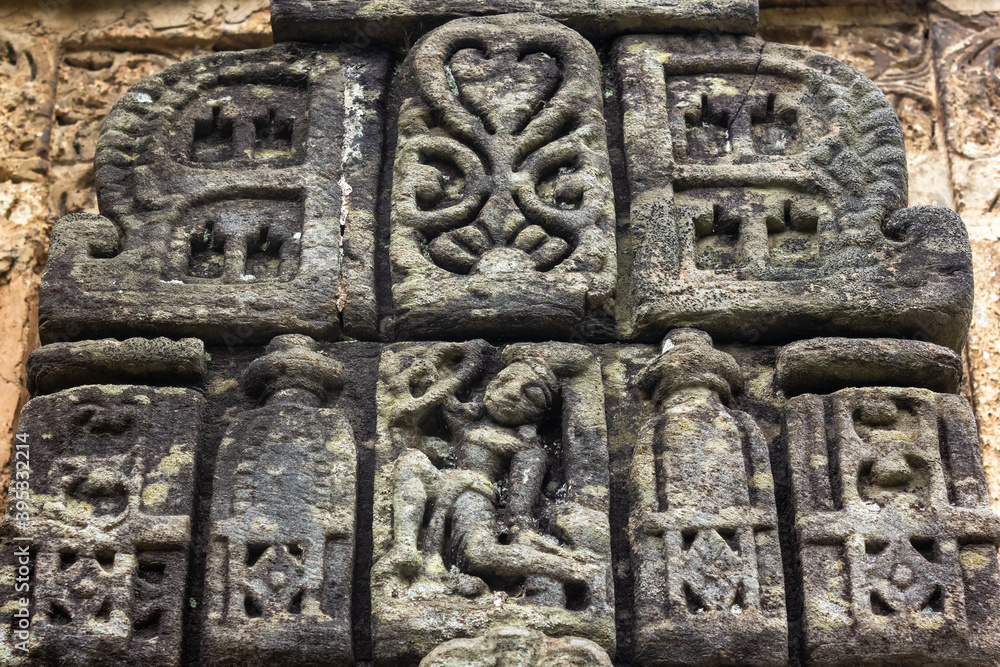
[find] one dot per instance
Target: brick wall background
(63, 64)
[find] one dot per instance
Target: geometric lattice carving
(109, 506)
(237, 193)
(758, 175)
(897, 542)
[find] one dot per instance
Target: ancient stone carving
(104, 517)
(354, 22)
(502, 211)
(281, 555)
(893, 49)
(965, 52)
(897, 543)
(520, 647)
(829, 364)
(64, 365)
(238, 190)
(491, 495)
(767, 189)
(703, 526)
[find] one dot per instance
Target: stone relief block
(703, 527)
(63, 365)
(828, 364)
(103, 516)
(897, 543)
(517, 646)
(767, 187)
(892, 47)
(502, 219)
(491, 496)
(237, 196)
(361, 21)
(281, 556)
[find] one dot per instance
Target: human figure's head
(521, 393)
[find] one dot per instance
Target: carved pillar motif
(281, 555)
(493, 469)
(703, 526)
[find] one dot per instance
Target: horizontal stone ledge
(61, 366)
(829, 364)
(362, 21)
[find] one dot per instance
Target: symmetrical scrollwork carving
(501, 183)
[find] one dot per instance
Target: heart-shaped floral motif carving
(506, 91)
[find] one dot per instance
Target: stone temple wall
(628, 334)
(66, 63)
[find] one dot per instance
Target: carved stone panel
(103, 519)
(518, 647)
(897, 543)
(491, 496)
(767, 187)
(237, 197)
(281, 555)
(502, 217)
(703, 527)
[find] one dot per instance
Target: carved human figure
(493, 439)
(494, 473)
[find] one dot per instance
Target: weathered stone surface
(23, 236)
(63, 365)
(105, 514)
(90, 82)
(281, 555)
(983, 354)
(829, 364)
(965, 49)
(890, 44)
(399, 22)
(502, 205)
(27, 91)
(703, 526)
(239, 195)
(897, 544)
(491, 496)
(767, 186)
(517, 647)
